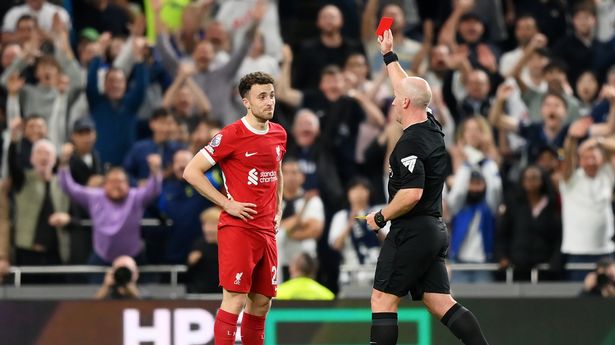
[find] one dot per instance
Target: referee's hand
(371, 223)
(386, 42)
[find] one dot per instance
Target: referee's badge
(409, 162)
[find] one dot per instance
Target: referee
(413, 253)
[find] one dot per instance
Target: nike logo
(250, 154)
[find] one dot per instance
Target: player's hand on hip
(241, 210)
(371, 223)
(386, 42)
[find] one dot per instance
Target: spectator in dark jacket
(162, 124)
(530, 229)
(115, 111)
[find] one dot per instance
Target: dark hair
(584, 7)
(556, 95)
(114, 69)
(33, 117)
(330, 70)
(25, 17)
(306, 264)
(48, 60)
(256, 78)
(555, 65)
(524, 16)
(359, 181)
(545, 188)
(160, 113)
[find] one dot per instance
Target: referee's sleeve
(411, 170)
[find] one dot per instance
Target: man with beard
(249, 152)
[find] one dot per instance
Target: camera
(122, 276)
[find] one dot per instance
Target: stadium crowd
(104, 102)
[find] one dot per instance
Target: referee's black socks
(384, 329)
(463, 325)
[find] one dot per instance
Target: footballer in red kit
(249, 153)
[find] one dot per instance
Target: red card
(385, 24)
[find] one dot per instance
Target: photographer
(120, 281)
(601, 282)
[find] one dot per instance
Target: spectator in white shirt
(303, 217)
(358, 245)
(41, 10)
(587, 195)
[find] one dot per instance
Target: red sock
(252, 329)
(225, 328)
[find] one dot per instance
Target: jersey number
(274, 275)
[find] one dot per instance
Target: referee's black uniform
(413, 253)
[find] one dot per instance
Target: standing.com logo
(254, 177)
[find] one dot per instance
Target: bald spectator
(329, 48)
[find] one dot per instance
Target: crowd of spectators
(104, 102)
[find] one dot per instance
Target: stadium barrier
(174, 270)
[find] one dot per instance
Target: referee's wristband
(389, 57)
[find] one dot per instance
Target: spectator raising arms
(116, 210)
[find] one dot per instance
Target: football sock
(464, 325)
(252, 329)
(384, 329)
(225, 327)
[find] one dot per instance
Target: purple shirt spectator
(115, 225)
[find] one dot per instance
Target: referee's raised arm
(396, 72)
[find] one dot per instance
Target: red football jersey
(249, 160)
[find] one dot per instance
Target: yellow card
(360, 217)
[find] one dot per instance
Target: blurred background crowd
(104, 102)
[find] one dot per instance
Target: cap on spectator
(90, 34)
(83, 124)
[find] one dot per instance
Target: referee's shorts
(412, 258)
